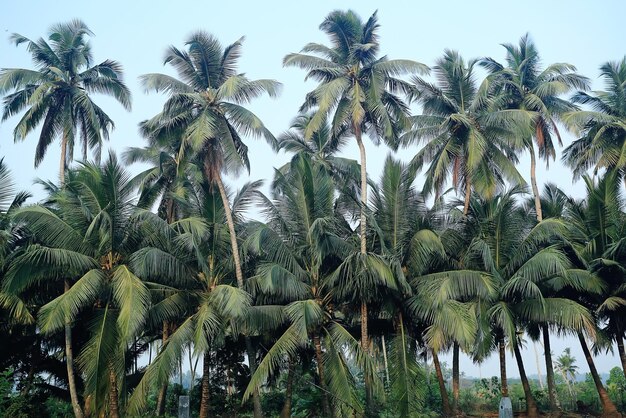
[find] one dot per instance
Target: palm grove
(349, 283)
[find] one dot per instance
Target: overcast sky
(136, 33)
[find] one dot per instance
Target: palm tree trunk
(69, 351)
(531, 406)
(386, 362)
(622, 353)
(468, 195)
(547, 351)
(456, 378)
(286, 411)
(114, 410)
(503, 379)
(256, 398)
(205, 394)
(608, 407)
(445, 402)
(160, 408)
(533, 183)
(320, 373)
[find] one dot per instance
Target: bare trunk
(69, 361)
(114, 410)
(608, 407)
(468, 195)
(256, 399)
(531, 406)
(286, 411)
(445, 403)
(622, 354)
(320, 373)
(160, 408)
(205, 394)
(503, 379)
(385, 360)
(456, 378)
(533, 183)
(547, 352)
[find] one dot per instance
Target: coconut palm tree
(90, 234)
(299, 247)
(360, 90)
(464, 138)
(602, 129)
(206, 102)
(566, 365)
(58, 97)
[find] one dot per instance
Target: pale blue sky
(136, 33)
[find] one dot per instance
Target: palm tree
(523, 85)
(566, 365)
(57, 93)
(602, 129)
(465, 140)
(89, 234)
(360, 91)
(207, 104)
(299, 248)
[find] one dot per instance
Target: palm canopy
(359, 88)
(90, 233)
(206, 103)
(523, 84)
(602, 128)
(464, 138)
(57, 94)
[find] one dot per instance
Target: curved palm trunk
(320, 373)
(445, 402)
(608, 407)
(533, 183)
(286, 411)
(69, 351)
(531, 406)
(503, 378)
(547, 351)
(468, 195)
(456, 378)
(160, 408)
(205, 395)
(622, 353)
(256, 399)
(114, 409)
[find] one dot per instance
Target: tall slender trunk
(386, 362)
(286, 411)
(468, 195)
(320, 373)
(533, 183)
(456, 378)
(256, 398)
(538, 364)
(608, 407)
(114, 410)
(160, 408)
(503, 379)
(205, 394)
(620, 349)
(547, 352)
(69, 351)
(531, 406)
(445, 402)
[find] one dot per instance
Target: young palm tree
(360, 91)
(602, 128)
(90, 234)
(464, 139)
(206, 102)
(566, 365)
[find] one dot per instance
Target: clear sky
(135, 33)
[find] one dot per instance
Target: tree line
(349, 282)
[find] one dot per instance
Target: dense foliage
(339, 299)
